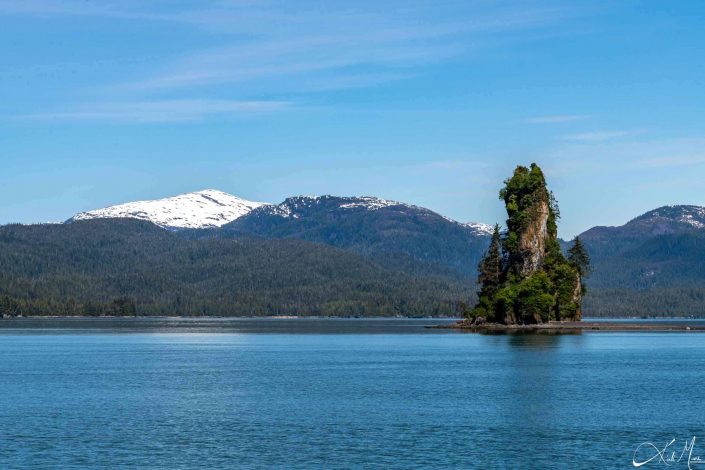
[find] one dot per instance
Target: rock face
(532, 239)
(578, 299)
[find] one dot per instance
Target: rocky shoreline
(567, 327)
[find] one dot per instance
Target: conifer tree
(489, 277)
(490, 268)
(578, 257)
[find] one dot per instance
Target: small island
(524, 277)
(526, 282)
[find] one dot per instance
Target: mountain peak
(297, 205)
(661, 221)
(300, 206)
(207, 208)
(211, 192)
(693, 216)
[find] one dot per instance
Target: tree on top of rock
(536, 283)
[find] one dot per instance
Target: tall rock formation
(537, 283)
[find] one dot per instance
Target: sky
(426, 102)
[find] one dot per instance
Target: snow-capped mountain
(389, 230)
(693, 216)
(295, 216)
(298, 206)
(661, 221)
(201, 209)
(480, 228)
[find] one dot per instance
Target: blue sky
(431, 103)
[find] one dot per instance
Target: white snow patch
(369, 203)
(690, 215)
(690, 218)
(480, 227)
(281, 210)
(202, 209)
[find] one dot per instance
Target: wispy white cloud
(673, 161)
(46, 8)
(306, 58)
(160, 111)
(628, 155)
(277, 16)
(556, 119)
(674, 183)
(275, 48)
(601, 136)
(277, 40)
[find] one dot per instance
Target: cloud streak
(557, 119)
(306, 59)
(161, 111)
(272, 16)
(48, 8)
(600, 136)
(336, 41)
(273, 48)
(626, 156)
(673, 161)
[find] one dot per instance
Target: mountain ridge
(651, 265)
(661, 220)
(164, 212)
(658, 220)
(380, 228)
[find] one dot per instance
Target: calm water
(384, 393)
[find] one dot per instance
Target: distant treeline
(128, 267)
(657, 275)
(664, 302)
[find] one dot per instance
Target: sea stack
(524, 277)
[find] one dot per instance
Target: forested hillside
(400, 236)
(126, 267)
(654, 265)
(327, 256)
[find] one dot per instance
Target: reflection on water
(370, 398)
(225, 325)
(539, 339)
(532, 370)
(535, 332)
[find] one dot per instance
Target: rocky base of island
(571, 326)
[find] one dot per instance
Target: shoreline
(675, 324)
(593, 320)
(232, 317)
(671, 324)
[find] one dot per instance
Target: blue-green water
(381, 394)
